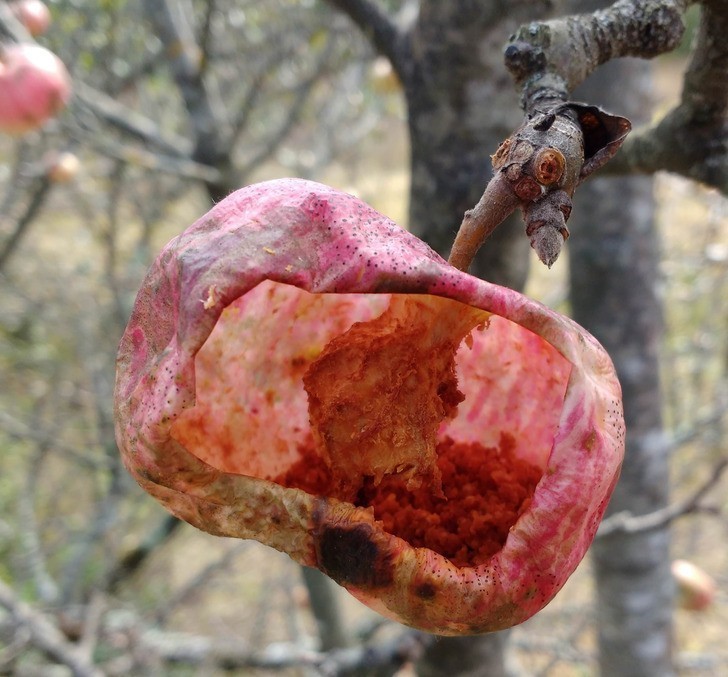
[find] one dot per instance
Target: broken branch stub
(539, 167)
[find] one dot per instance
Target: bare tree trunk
(206, 112)
(326, 609)
(485, 656)
(614, 275)
(461, 105)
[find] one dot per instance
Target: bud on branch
(538, 168)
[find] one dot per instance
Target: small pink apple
(34, 86)
(33, 14)
(696, 589)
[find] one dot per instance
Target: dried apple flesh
(484, 491)
(384, 424)
(379, 392)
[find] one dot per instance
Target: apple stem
(497, 202)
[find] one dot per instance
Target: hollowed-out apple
(299, 370)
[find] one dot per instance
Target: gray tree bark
(461, 105)
(326, 610)
(485, 656)
(614, 257)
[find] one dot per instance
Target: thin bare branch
(711, 420)
(548, 60)
(377, 26)
(94, 614)
(141, 157)
(206, 113)
(35, 559)
(200, 579)
(10, 27)
(13, 649)
(17, 429)
(103, 106)
(496, 204)
(105, 515)
(130, 121)
(249, 105)
(46, 636)
(193, 650)
(205, 38)
(37, 200)
(692, 139)
(626, 522)
(133, 560)
(301, 95)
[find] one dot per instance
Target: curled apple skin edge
(534, 372)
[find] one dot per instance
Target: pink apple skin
(209, 405)
(33, 14)
(34, 86)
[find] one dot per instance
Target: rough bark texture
(461, 106)
(467, 657)
(692, 139)
(556, 56)
(451, 80)
(326, 609)
(614, 273)
(549, 59)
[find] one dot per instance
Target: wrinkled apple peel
(206, 432)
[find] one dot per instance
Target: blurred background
(175, 104)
